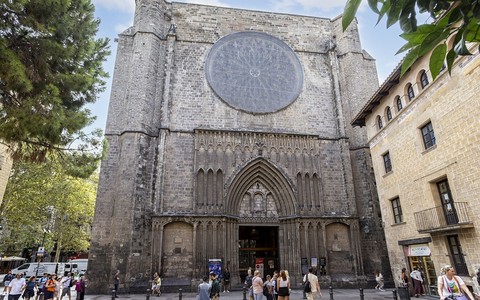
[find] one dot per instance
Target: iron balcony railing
(443, 218)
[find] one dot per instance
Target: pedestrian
(116, 282)
(226, 280)
(66, 285)
(58, 287)
(16, 286)
(204, 289)
(214, 287)
(417, 282)
(404, 278)
(283, 286)
(30, 287)
(41, 287)
(274, 285)
(156, 284)
(450, 285)
(6, 281)
(80, 288)
(257, 286)
(50, 287)
(268, 288)
(248, 283)
(380, 281)
(314, 285)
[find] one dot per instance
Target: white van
(37, 269)
(77, 266)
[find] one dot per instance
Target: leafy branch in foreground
(457, 23)
(51, 68)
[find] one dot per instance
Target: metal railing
(435, 219)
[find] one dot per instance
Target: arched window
(379, 122)
(389, 113)
(399, 103)
(424, 79)
(410, 92)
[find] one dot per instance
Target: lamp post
(41, 250)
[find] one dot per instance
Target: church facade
(230, 140)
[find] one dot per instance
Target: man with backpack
(67, 283)
(311, 285)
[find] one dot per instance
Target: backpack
(307, 288)
(72, 282)
(265, 290)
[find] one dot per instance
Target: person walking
(248, 283)
(15, 287)
(41, 284)
(268, 288)
(257, 286)
(226, 280)
(417, 282)
(50, 287)
(283, 286)
(30, 285)
(6, 281)
(116, 282)
(314, 285)
(214, 287)
(450, 285)
(204, 289)
(80, 288)
(274, 285)
(156, 284)
(66, 285)
(380, 281)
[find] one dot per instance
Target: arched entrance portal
(262, 199)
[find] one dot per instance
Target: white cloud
(119, 5)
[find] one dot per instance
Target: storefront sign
(419, 250)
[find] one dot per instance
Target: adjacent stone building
(230, 139)
(424, 139)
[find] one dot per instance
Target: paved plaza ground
(338, 294)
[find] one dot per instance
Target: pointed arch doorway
(263, 201)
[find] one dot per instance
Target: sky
(376, 39)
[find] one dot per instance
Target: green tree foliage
(43, 196)
(51, 67)
(456, 24)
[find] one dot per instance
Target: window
(387, 162)
(411, 93)
(457, 255)
(428, 135)
(389, 113)
(399, 104)
(397, 211)
(424, 79)
(379, 122)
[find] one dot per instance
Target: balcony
(443, 218)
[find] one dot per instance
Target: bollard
(180, 294)
(147, 297)
(331, 292)
(395, 295)
(361, 294)
(113, 294)
(244, 293)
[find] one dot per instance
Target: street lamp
(41, 250)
